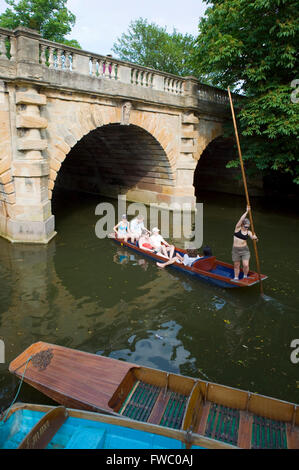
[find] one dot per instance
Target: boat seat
(87, 438)
(206, 264)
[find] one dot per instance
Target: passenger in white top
(161, 246)
(190, 257)
(136, 227)
(188, 261)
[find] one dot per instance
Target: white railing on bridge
(211, 94)
(59, 57)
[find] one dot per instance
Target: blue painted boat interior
(78, 433)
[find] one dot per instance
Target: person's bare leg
(245, 267)
(179, 257)
(167, 263)
(237, 269)
(171, 251)
(164, 251)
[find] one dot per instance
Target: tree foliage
(252, 45)
(152, 46)
(51, 18)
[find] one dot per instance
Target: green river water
(90, 294)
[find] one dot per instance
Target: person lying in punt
(188, 259)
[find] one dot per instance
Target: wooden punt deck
(218, 422)
(72, 378)
(223, 414)
(246, 430)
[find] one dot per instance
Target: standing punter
(240, 251)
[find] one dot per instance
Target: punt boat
(91, 382)
(207, 268)
(31, 426)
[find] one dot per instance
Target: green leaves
(50, 18)
(152, 46)
(253, 46)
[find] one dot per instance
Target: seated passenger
(160, 245)
(190, 257)
(121, 230)
(144, 241)
(136, 227)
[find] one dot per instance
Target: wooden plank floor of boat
(72, 377)
(246, 430)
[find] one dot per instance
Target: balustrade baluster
(3, 51)
(113, 71)
(146, 79)
(59, 59)
(13, 48)
(106, 73)
(133, 79)
(93, 66)
(173, 85)
(166, 84)
(43, 54)
(67, 62)
(151, 79)
(100, 67)
(51, 57)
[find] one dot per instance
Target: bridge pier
(28, 212)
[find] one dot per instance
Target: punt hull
(224, 414)
(208, 269)
(87, 430)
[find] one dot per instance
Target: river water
(90, 294)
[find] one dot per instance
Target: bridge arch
(211, 172)
(115, 159)
(95, 135)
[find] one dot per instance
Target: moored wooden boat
(28, 426)
(90, 382)
(207, 268)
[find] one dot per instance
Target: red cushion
(147, 245)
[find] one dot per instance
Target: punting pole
(246, 190)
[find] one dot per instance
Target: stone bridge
(92, 123)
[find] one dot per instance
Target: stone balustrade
(56, 57)
(7, 45)
(174, 85)
(59, 57)
(142, 77)
(209, 93)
